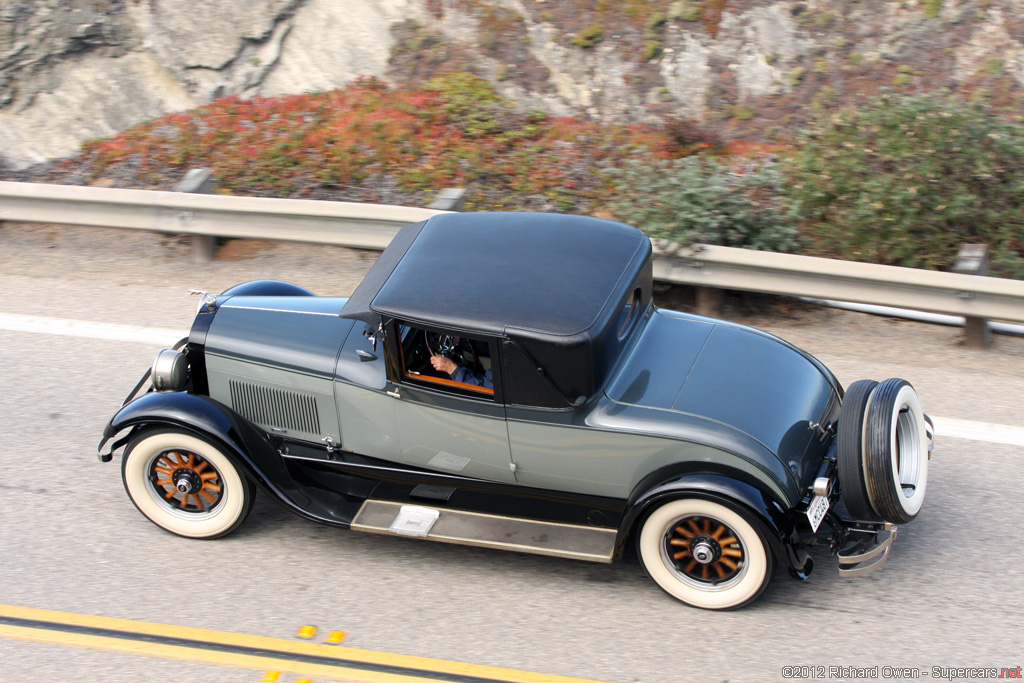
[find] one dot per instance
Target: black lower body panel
(344, 479)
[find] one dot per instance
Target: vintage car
(504, 380)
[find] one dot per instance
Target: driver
(461, 373)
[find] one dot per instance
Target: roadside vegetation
(907, 180)
(902, 180)
(372, 143)
(732, 201)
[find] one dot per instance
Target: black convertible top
(562, 292)
(551, 274)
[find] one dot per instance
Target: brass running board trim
(593, 544)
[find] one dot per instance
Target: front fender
(774, 520)
(205, 417)
(243, 443)
(212, 420)
(180, 409)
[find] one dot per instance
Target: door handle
(395, 393)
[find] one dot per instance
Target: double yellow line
(310, 660)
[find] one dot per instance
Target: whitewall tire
(185, 484)
(895, 451)
(705, 554)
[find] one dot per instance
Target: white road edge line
(944, 426)
(38, 324)
(977, 431)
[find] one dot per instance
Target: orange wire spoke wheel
(704, 551)
(186, 480)
(184, 484)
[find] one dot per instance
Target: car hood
(298, 333)
(736, 376)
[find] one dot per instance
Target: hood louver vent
(272, 407)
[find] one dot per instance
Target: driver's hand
(443, 364)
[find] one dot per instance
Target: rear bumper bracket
(868, 554)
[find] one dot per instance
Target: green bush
(684, 11)
(654, 24)
(741, 112)
(699, 199)
(472, 102)
(931, 8)
(652, 50)
(906, 180)
(589, 37)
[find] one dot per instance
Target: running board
(594, 544)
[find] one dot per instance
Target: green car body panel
(659, 406)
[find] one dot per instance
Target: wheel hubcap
(702, 549)
(185, 482)
(704, 552)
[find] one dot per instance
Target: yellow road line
(333, 673)
(247, 651)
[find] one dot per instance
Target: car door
(448, 422)
(365, 411)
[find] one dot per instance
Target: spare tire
(895, 451)
(850, 450)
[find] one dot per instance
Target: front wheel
(185, 484)
(705, 554)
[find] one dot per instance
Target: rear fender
(771, 519)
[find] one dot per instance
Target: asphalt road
(951, 594)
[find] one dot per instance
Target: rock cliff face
(75, 70)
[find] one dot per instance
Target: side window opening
(446, 361)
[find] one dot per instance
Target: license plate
(816, 511)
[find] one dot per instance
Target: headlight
(170, 371)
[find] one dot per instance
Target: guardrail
(866, 283)
(370, 226)
(346, 224)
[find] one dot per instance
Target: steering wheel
(441, 344)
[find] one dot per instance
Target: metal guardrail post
(709, 301)
(973, 260)
(451, 199)
(200, 181)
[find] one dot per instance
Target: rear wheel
(185, 484)
(705, 554)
